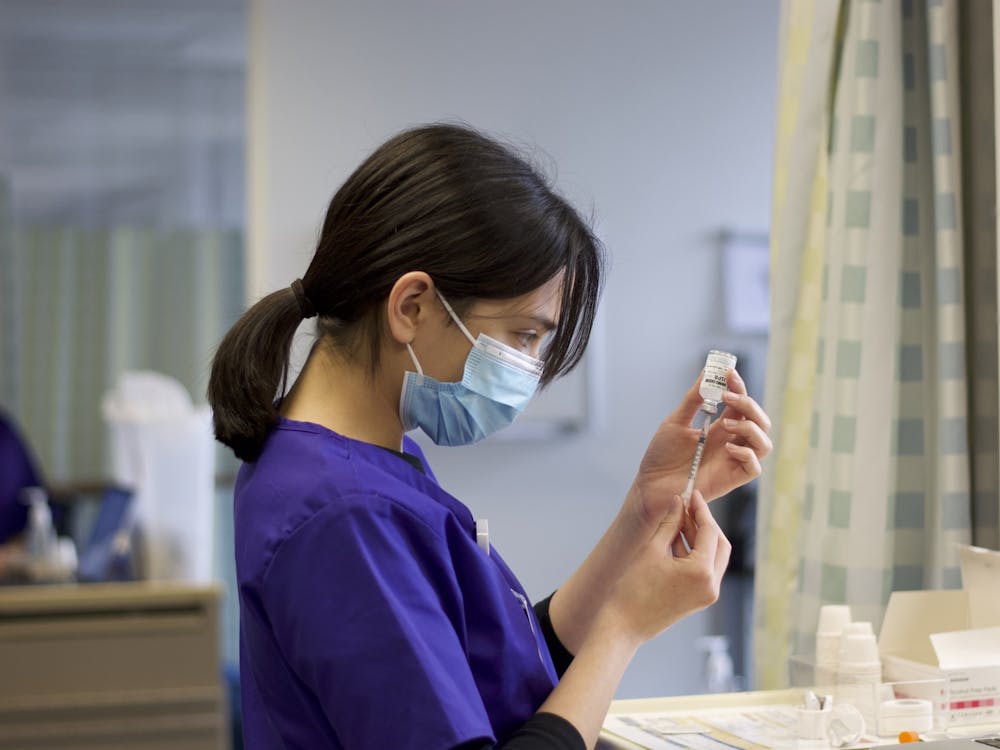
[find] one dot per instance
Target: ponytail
(250, 370)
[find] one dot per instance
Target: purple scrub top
(369, 615)
(17, 471)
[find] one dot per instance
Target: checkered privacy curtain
(79, 306)
(883, 368)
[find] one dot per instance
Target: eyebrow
(545, 323)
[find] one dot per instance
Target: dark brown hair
(443, 199)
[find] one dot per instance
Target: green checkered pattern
(84, 305)
(889, 477)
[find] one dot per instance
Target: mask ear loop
(409, 349)
(420, 370)
(455, 317)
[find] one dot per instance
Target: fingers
(735, 398)
(711, 542)
(722, 553)
(679, 527)
(667, 582)
(671, 522)
(681, 546)
(698, 509)
(736, 384)
(746, 457)
(705, 541)
(746, 407)
(689, 405)
(751, 434)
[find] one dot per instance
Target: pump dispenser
(719, 675)
(41, 540)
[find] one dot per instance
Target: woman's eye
(527, 338)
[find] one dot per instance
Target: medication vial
(713, 379)
(713, 385)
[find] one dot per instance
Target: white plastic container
(859, 671)
(833, 618)
(162, 448)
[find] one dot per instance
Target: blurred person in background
(17, 472)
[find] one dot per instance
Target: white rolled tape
(905, 715)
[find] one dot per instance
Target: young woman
(449, 282)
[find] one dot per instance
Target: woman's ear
(410, 303)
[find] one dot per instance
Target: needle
(696, 462)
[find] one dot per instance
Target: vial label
(713, 380)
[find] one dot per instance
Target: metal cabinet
(129, 665)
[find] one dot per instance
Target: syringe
(696, 462)
(714, 379)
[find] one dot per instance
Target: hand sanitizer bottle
(41, 542)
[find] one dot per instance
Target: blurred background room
(164, 163)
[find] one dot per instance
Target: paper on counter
(769, 726)
(965, 649)
(656, 731)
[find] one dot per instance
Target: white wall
(658, 118)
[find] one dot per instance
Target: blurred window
(122, 129)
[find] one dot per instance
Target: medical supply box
(953, 635)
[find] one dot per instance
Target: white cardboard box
(951, 634)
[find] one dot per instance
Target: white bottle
(719, 676)
(41, 542)
(713, 379)
(833, 618)
(859, 672)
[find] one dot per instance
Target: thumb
(689, 405)
(670, 533)
(670, 522)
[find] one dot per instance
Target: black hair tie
(305, 306)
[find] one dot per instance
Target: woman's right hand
(664, 581)
(659, 584)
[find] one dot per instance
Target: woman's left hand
(732, 454)
(736, 442)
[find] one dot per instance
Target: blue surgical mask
(496, 386)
